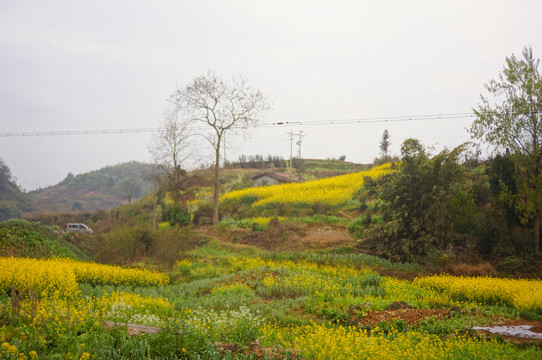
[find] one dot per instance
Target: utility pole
(298, 143)
(291, 137)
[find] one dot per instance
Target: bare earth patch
(291, 238)
(409, 316)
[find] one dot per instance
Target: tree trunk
(215, 183)
(154, 208)
(536, 232)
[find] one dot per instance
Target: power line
(363, 120)
(79, 132)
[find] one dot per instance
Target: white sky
(80, 65)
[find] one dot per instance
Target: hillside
(12, 200)
(99, 189)
(21, 238)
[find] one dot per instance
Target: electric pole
(291, 137)
(298, 143)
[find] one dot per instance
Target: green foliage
(21, 238)
(319, 219)
(127, 244)
(424, 203)
(176, 215)
(123, 245)
(169, 243)
(357, 227)
(512, 120)
(13, 202)
(349, 259)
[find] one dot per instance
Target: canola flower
(66, 314)
(8, 351)
(522, 294)
(333, 191)
(43, 277)
(306, 277)
(133, 308)
(60, 277)
(324, 341)
(97, 274)
(149, 304)
(63, 312)
(421, 296)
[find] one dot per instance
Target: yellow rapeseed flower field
(325, 341)
(53, 277)
(306, 277)
(331, 191)
(521, 294)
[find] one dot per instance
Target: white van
(82, 228)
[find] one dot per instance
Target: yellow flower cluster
(346, 343)
(67, 313)
(93, 273)
(331, 191)
(61, 276)
(8, 351)
(42, 277)
(523, 294)
(307, 277)
(151, 304)
(420, 296)
(264, 221)
(228, 288)
(249, 263)
(202, 194)
(63, 312)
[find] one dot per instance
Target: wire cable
(362, 120)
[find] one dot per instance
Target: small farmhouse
(267, 179)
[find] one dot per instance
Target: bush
(124, 245)
(170, 242)
(203, 215)
(176, 215)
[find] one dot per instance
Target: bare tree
(128, 189)
(170, 149)
(219, 106)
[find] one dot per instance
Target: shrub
(123, 245)
(176, 215)
(170, 242)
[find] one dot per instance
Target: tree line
(261, 161)
(439, 202)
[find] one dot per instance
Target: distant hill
(13, 202)
(100, 189)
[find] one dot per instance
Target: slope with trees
(99, 189)
(13, 201)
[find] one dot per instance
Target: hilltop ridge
(99, 189)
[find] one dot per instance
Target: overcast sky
(94, 65)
